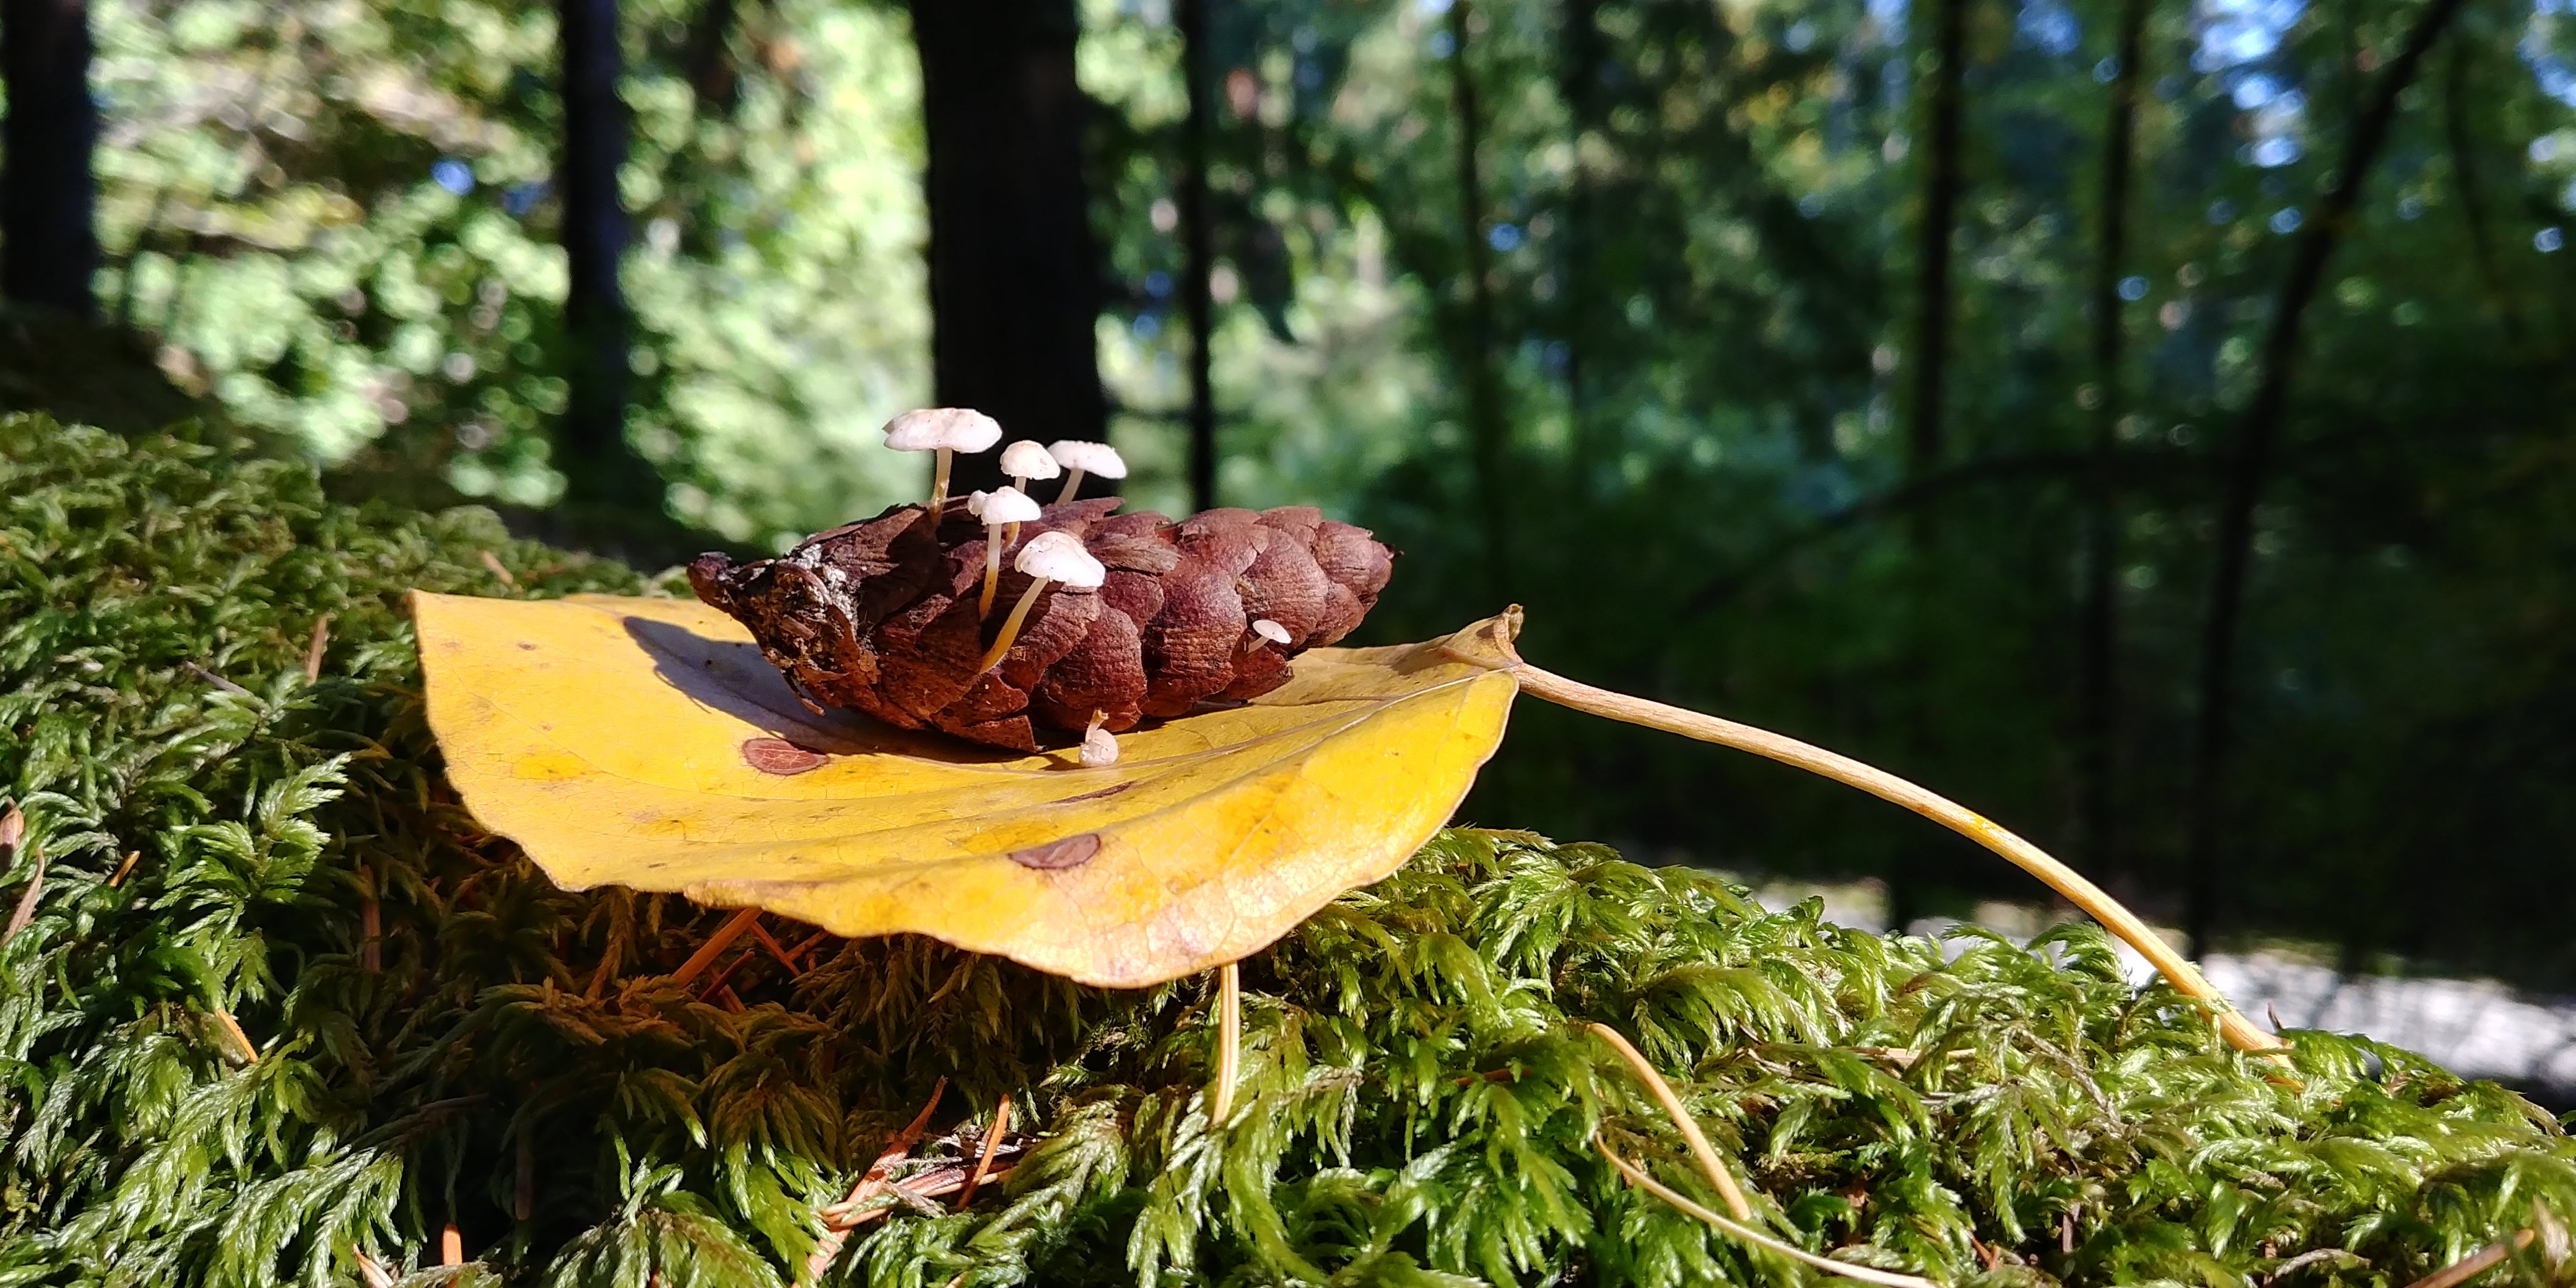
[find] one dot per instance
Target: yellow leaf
(646, 743)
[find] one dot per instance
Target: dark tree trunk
(2460, 137)
(2097, 623)
(1014, 284)
(2249, 467)
(1580, 56)
(1911, 874)
(602, 472)
(48, 244)
(1199, 240)
(1485, 425)
(1938, 229)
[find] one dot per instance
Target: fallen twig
(232, 1028)
(26, 909)
(992, 1143)
(122, 869)
(1706, 1153)
(715, 945)
(836, 1232)
(1867, 1274)
(313, 651)
(761, 933)
(374, 1273)
(493, 562)
(2476, 1263)
(219, 681)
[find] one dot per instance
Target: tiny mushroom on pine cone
(945, 430)
(1099, 746)
(1002, 506)
(1048, 557)
(1080, 457)
(1025, 460)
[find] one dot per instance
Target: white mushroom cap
(1091, 458)
(959, 429)
(1026, 460)
(975, 502)
(1008, 505)
(1270, 630)
(1059, 557)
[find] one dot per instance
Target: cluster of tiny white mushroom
(1051, 556)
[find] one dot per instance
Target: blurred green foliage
(1700, 218)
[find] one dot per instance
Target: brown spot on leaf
(779, 756)
(1055, 856)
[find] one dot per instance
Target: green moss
(1419, 1095)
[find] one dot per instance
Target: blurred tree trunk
(48, 193)
(2459, 136)
(605, 477)
(1015, 284)
(2249, 468)
(1936, 229)
(1485, 425)
(2097, 624)
(1199, 240)
(1579, 59)
(1935, 233)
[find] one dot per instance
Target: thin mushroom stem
(1011, 627)
(1072, 484)
(2068, 883)
(939, 489)
(1229, 1040)
(992, 570)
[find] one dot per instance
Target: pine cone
(881, 617)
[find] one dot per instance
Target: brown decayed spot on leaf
(1055, 856)
(781, 757)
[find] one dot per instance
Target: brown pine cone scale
(880, 616)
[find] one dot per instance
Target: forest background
(2153, 421)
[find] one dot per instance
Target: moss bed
(1421, 1100)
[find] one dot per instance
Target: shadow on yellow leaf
(647, 743)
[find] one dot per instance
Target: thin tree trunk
(2473, 206)
(1485, 425)
(2097, 629)
(1926, 443)
(1199, 250)
(603, 473)
(1579, 84)
(48, 191)
(1014, 284)
(1938, 229)
(2250, 466)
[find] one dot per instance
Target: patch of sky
(2548, 240)
(1889, 17)
(1148, 325)
(2221, 211)
(2049, 27)
(2106, 71)
(2236, 32)
(1158, 284)
(1442, 44)
(1801, 36)
(2133, 288)
(453, 175)
(2551, 66)
(522, 198)
(2286, 220)
(1432, 8)
(2274, 151)
(1504, 237)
